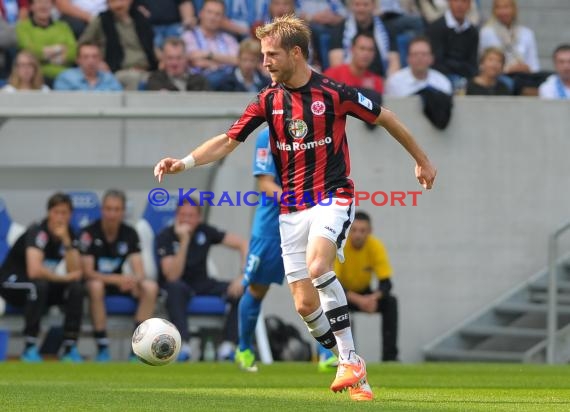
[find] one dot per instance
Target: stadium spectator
(431, 10)
(246, 77)
(454, 42)
(26, 74)
(323, 17)
(43, 269)
(362, 19)
(183, 252)
(7, 46)
(557, 86)
(52, 42)
(517, 42)
(106, 246)
(357, 73)
(398, 21)
(88, 76)
(79, 13)
(488, 81)
(175, 75)
(14, 10)
(418, 75)
(271, 9)
(169, 18)
(366, 255)
(211, 51)
(240, 16)
(126, 38)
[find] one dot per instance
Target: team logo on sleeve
(364, 101)
(42, 239)
(297, 129)
(122, 248)
(318, 108)
(200, 238)
(261, 157)
(85, 241)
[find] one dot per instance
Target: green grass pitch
(280, 387)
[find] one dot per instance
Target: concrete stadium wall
(502, 187)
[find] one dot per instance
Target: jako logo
(302, 145)
(338, 319)
(330, 229)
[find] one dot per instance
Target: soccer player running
(306, 113)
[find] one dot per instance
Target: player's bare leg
(96, 289)
(147, 292)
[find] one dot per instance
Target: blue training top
(266, 218)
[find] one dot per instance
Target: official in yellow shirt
(366, 256)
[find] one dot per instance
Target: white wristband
(189, 162)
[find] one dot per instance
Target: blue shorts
(264, 263)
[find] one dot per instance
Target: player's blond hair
(290, 30)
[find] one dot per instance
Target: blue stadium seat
(86, 209)
(120, 305)
(206, 305)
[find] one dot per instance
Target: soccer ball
(156, 342)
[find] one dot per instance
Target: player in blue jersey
(264, 264)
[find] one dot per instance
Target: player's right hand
(168, 166)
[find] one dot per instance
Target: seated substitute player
(106, 245)
(364, 255)
(31, 277)
(306, 113)
(183, 251)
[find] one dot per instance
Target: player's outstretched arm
(208, 152)
(425, 171)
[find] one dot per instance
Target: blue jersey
(266, 219)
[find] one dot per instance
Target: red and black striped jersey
(308, 136)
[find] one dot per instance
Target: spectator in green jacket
(52, 42)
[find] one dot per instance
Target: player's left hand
(426, 173)
(168, 166)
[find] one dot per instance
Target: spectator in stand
(88, 76)
(52, 42)
(175, 75)
(323, 17)
(14, 10)
(488, 81)
(169, 18)
(240, 16)
(431, 10)
(362, 19)
(454, 42)
(246, 77)
(418, 75)
(357, 73)
(398, 21)
(7, 47)
(26, 75)
(79, 13)
(272, 9)
(126, 38)
(211, 51)
(517, 42)
(557, 86)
